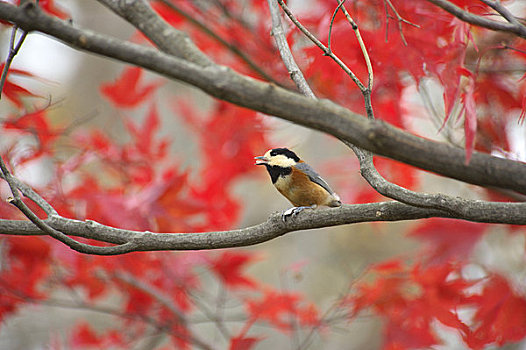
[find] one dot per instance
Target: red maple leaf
(127, 91)
(277, 308)
(229, 267)
(35, 123)
(448, 239)
(50, 7)
(243, 343)
(84, 336)
(500, 317)
(13, 91)
(410, 301)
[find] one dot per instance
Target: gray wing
(314, 176)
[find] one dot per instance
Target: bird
(297, 181)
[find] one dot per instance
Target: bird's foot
(294, 211)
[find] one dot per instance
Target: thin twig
(332, 312)
(325, 49)
(284, 50)
(13, 51)
(399, 19)
(370, 75)
(332, 23)
(214, 317)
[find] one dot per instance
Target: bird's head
(278, 157)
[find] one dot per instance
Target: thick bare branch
(163, 35)
(274, 227)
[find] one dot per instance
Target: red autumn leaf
(448, 239)
(30, 260)
(448, 70)
(129, 90)
(522, 116)
(276, 308)
(229, 267)
(138, 302)
(243, 343)
(83, 275)
(500, 316)
(50, 7)
(35, 123)
(84, 336)
(13, 91)
(167, 13)
(410, 301)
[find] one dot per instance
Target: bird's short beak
(261, 160)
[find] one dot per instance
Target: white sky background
(46, 58)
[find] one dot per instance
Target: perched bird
(297, 181)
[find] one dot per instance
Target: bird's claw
(292, 212)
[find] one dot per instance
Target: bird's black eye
(286, 152)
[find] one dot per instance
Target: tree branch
(272, 228)
(511, 27)
(163, 35)
(503, 11)
(286, 55)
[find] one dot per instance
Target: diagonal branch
(326, 50)
(503, 11)
(514, 28)
(13, 51)
(31, 194)
(284, 50)
(163, 35)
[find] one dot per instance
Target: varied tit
(297, 181)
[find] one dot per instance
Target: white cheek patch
(282, 161)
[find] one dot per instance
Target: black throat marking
(276, 171)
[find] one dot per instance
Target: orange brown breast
(301, 191)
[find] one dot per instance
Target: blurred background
(321, 264)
